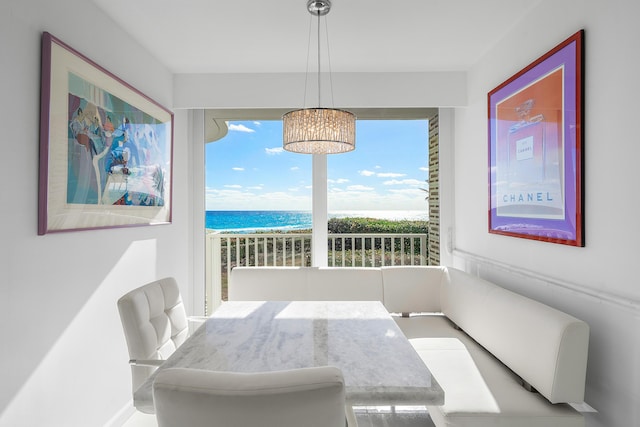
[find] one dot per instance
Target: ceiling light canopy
(319, 130)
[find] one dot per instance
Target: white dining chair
(309, 397)
(155, 324)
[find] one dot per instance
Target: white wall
(63, 358)
(596, 283)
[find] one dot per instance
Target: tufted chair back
(155, 324)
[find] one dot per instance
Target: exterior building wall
(434, 191)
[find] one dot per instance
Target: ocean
(252, 221)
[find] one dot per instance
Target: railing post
(393, 250)
(353, 251)
(208, 275)
(373, 251)
(237, 239)
(256, 251)
(333, 251)
(412, 240)
(213, 273)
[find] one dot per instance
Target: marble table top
(379, 365)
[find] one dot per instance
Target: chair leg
(351, 417)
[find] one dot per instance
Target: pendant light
(319, 130)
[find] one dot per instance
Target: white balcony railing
(225, 251)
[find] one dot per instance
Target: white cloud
(424, 168)
(359, 188)
(295, 168)
(233, 186)
(390, 175)
(409, 199)
(381, 174)
(273, 151)
(257, 123)
(221, 199)
(255, 187)
(240, 128)
(407, 191)
(337, 181)
(404, 182)
(237, 169)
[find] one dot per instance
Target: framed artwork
(535, 149)
(105, 148)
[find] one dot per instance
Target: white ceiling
(252, 36)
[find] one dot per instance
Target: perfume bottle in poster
(533, 167)
(526, 151)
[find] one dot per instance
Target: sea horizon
(248, 221)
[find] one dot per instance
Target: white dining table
(379, 365)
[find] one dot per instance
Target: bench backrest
(268, 284)
(305, 284)
(544, 346)
(344, 284)
(412, 289)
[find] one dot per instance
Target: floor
(367, 417)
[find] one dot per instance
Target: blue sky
(249, 170)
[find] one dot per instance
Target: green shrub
(373, 225)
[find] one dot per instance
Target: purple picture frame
(106, 149)
(535, 149)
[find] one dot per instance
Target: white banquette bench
(501, 358)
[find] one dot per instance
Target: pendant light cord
(319, 100)
(317, 14)
(326, 34)
(306, 72)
